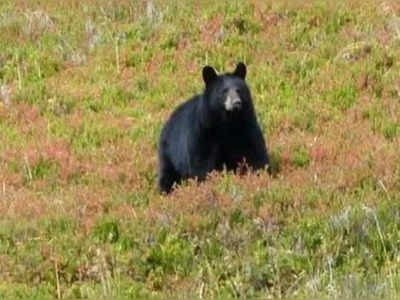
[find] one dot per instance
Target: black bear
(214, 130)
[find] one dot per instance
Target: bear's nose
(236, 103)
(233, 101)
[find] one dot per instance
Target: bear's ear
(209, 74)
(240, 70)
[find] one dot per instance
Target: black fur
(202, 135)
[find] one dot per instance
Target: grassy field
(85, 87)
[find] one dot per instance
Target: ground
(85, 87)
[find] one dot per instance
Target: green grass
(85, 87)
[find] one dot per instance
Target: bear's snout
(233, 101)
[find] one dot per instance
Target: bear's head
(228, 94)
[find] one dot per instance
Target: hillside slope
(85, 87)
